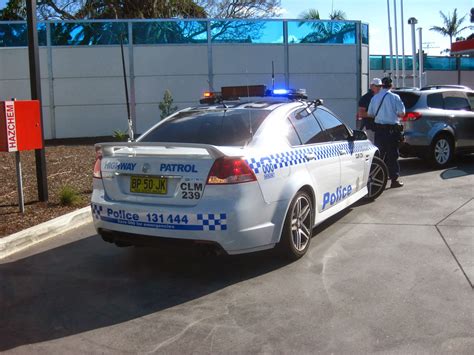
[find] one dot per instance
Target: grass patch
(68, 196)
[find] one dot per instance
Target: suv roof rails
(407, 88)
(433, 87)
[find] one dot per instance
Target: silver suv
(439, 123)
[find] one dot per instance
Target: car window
(456, 101)
(409, 98)
(435, 100)
(217, 127)
(291, 134)
(333, 126)
(471, 100)
(308, 129)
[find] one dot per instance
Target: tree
(104, 9)
(242, 9)
(452, 26)
(166, 106)
(325, 31)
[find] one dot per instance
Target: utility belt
(395, 129)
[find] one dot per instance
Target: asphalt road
(392, 276)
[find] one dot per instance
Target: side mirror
(358, 135)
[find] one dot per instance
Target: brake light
(411, 116)
(227, 170)
(98, 159)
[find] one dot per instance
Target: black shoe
(395, 184)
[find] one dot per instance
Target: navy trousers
(386, 139)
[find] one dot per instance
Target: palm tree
(310, 14)
(337, 15)
(452, 25)
(323, 30)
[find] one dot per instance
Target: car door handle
(310, 156)
(342, 152)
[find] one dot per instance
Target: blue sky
(374, 12)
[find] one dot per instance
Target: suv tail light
(411, 116)
(227, 170)
(98, 159)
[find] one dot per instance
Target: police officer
(367, 123)
(387, 108)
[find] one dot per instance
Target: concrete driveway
(392, 276)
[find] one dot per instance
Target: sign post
(20, 129)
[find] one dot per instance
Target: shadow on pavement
(461, 166)
(89, 284)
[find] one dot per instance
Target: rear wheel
(378, 177)
(297, 230)
(441, 152)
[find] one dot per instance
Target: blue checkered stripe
(212, 221)
(298, 156)
(96, 211)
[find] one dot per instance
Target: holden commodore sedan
(240, 175)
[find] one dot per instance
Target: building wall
(83, 87)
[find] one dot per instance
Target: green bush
(68, 196)
(166, 106)
(120, 135)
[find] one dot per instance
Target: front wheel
(297, 230)
(378, 177)
(441, 152)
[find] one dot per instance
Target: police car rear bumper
(235, 226)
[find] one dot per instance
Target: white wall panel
(170, 60)
(242, 59)
(73, 62)
(90, 121)
(150, 89)
(325, 86)
(322, 59)
(243, 79)
(20, 89)
(89, 91)
(14, 63)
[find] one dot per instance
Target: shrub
(120, 135)
(166, 106)
(68, 196)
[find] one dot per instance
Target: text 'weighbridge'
(82, 78)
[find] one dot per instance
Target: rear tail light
(227, 170)
(98, 159)
(411, 116)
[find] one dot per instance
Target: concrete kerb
(26, 238)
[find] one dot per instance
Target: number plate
(148, 185)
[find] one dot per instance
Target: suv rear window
(225, 127)
(409, 98)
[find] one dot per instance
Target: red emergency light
(20, 125)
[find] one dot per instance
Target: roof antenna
(273, 77)
(250, 111)
(130, 126)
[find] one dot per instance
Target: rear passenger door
(460, 116)
(322, 161)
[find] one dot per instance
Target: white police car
(241, 175)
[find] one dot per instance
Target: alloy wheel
(301, 223)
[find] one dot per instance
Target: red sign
(20, 126)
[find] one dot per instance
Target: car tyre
(298, 227)
(441, 152)
(378, 177)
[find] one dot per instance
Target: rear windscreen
(224, 127)
(409, 98)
